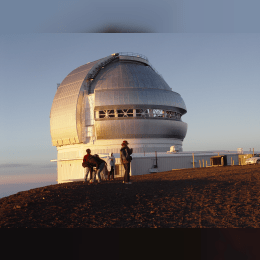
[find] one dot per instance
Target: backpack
(126, 155)
(85, 163)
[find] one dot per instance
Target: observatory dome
(118, 97)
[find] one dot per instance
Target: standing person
(86, 166)
(125, 156)
(111, 165)
(108, 166)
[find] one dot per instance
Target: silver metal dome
(130, 100)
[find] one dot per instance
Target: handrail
(132, 54)
(138, 55)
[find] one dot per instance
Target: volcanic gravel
(212, 197)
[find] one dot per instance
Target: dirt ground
(212, 197)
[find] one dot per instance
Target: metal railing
(138, 55)
(132, 54)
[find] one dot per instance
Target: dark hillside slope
(189, 198)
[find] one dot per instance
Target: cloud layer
(14, 165)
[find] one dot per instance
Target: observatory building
(119, 97)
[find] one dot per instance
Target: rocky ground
(212, 197)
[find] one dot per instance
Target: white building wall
(142, 165)
(69, 170)
(69, 165)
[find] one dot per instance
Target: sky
(216, 72)
(164, 16)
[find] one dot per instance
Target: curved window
(142, 112)
(139, 113)
(170, 114)
(158, 113)
(125, 112)
(106, 113)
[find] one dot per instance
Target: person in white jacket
(111, 166)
